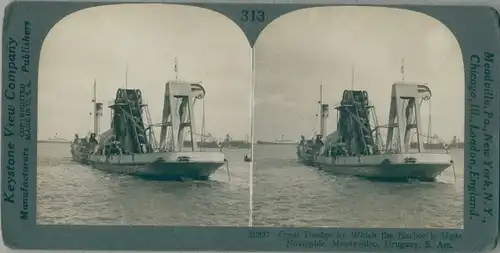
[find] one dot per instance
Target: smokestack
(323, 119)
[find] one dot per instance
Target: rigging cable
(203, 124)
(429, 122)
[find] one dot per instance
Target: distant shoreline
(288, 142)
(50, 141)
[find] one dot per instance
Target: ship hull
(306, 159)
(79, 154)
(306, 156)
(175, 166)
(391, 167)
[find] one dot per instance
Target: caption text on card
(17, 95)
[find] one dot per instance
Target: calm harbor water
(69, 193)
(286, 193)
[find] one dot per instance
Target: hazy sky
(99, 42)
(297, 52)
(294, 54)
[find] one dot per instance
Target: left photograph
(144, 118)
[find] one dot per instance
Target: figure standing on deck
(93, 139)
(445, 146)
(92, 143)
(318, 141)
(247, 158)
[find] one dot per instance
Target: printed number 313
(253, 16)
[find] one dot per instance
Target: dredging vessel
(130, 147)
(356, 147)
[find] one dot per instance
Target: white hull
(420, 166)
(166, 166)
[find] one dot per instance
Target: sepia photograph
(358, 121)
(144, 118)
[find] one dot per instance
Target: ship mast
(176, 68)
(402, 69)
(97, 110)
(323, 113)
(320, 101)
(94, 101)
(126, 75)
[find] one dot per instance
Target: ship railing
(112, 102)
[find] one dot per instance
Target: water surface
(286, 193)
(69, 193)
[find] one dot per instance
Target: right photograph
(358, 121)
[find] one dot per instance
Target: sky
(100, 42)
(303, 49)
(293, 56)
